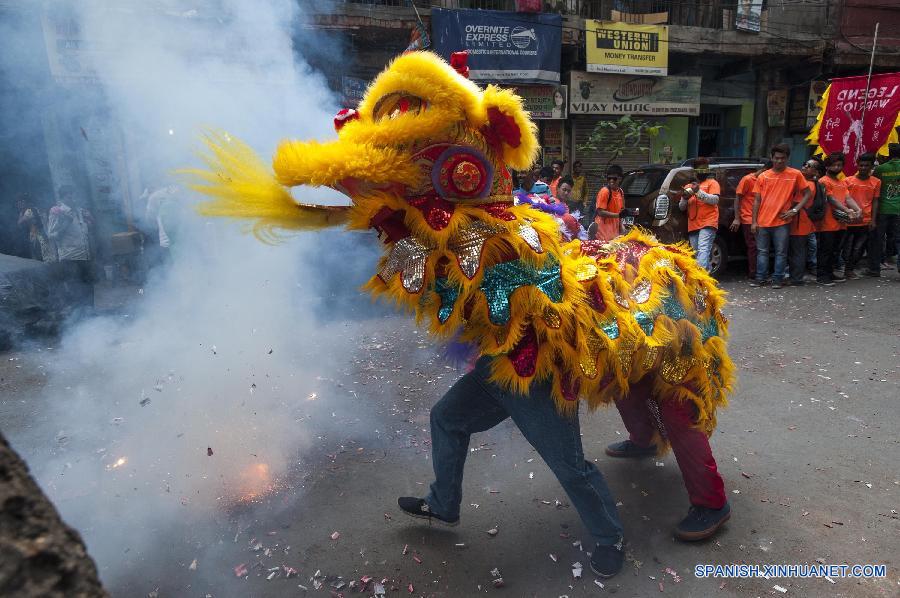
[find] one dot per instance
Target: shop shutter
(593, 164)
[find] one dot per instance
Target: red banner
(528, 5)
(842, 127)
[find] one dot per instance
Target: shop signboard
(352, 91)
(749, 15)
(625, 48)
(503, 47)
(776, 105)
(641, 96)
(544, 102)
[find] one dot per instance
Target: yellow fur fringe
(597, 349)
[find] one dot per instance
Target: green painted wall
(674, 135)
(747, 123)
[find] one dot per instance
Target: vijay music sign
(503, 47)
(627, 49)
(842, 126)
(591, 93)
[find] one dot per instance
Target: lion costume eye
(394, 104)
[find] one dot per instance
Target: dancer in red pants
(648, 421)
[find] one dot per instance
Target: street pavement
(808, 447)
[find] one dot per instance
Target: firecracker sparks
(119, 463)
(255, 482)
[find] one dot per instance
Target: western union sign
(622, 48)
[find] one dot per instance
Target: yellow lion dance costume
(425, 162)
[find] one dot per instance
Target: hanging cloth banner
(839, 126)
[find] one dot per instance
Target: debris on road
(675, 577)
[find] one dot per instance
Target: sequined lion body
(425, 161)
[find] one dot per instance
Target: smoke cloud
(194, 402)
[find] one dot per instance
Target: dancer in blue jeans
(475, 404)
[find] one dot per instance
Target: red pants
(691, 446)
(750, 242)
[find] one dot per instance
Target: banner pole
(862, 120)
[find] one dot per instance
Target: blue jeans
(701, 242)
(474, 404)
(778, 237)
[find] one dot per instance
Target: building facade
(740, 75)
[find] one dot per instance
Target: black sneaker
(825, 283)
(606, 561)
(417, 507)
(702, 523)
(776, 285)
(758, 283)
(630, 450)
(871, 274)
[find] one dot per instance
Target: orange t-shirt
(747, 195)
(701, 214)
(554, 184)
(863, 192)
(776, 191)
(801, 225)
(608, 228)
(838, 190)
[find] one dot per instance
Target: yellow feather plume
(244, 188)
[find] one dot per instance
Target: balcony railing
(809, 18)
(591, 9)
(711, 14)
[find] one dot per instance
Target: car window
(731, 178)
(642, 182)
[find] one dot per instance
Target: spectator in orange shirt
(701, 201)
(775, 190)
(864, 189)
(610, 206)
(801, 225)
(558, 167)
(839, 210)
(743, 214)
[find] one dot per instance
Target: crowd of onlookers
(816, 223)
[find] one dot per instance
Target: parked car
(656, 188)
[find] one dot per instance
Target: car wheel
(718, 257)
